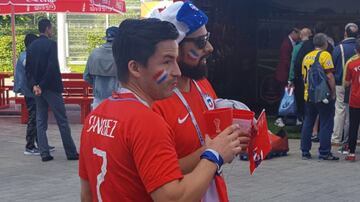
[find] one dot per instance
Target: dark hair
(43, 24)
(29, 38)
(294, 29)
(351, 32)
(357, 45)
(137, 40)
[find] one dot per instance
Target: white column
(61, 41)
(66, 40)
(13, 33)
(106, 21)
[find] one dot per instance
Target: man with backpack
(319, 95)
(307, 47)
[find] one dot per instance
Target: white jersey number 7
(101, 175)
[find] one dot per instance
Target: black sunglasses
(199, 41)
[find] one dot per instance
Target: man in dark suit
(283, 67)
(44, 78)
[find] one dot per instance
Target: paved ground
(285, 179)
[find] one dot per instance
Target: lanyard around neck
(187, 106)
(196, 125)
(124, 90)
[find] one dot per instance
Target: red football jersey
(177, 116)
(127, 151)
(353, 76)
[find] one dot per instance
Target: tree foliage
(6, 51)
(89, 38)
(94, 40)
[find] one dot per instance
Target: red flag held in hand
(260, 145)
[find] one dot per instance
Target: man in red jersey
(353, 79)
(194, 94)
(127, 152)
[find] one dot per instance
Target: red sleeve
(348, 74)
(153, 149)
(282, 69)
(82, 167)
(285, 53)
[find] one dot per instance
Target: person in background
(307, 47)
(100, 69)
(44, 78)
(21, 87)
(325, 110)
(305, 33)
(352, 79)
(341, 54)
(283, 67)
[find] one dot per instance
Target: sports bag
(318, 88)
(288, 104)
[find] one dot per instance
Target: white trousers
(339, 119)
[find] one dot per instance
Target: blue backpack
(318, 89)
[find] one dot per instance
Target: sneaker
(51, 148)
(47, 158)
(315, 138)
(279, 122)
(34, 151)
(298, 122)
(306, 156)
(344, 150)
(350, 157)
(336, 142)
(328, 157)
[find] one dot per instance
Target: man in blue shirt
(342, 53)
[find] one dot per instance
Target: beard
(197, 72)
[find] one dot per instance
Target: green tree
(6, 51)
(94, 40)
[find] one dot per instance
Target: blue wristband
(215, 157)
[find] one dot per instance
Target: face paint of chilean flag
(160, 76)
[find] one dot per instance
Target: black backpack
(318, 89)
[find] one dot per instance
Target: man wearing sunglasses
(194, 95)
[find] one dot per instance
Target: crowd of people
(145, 139)
(334, 120)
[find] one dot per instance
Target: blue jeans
(326, 116)
(55, 101)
